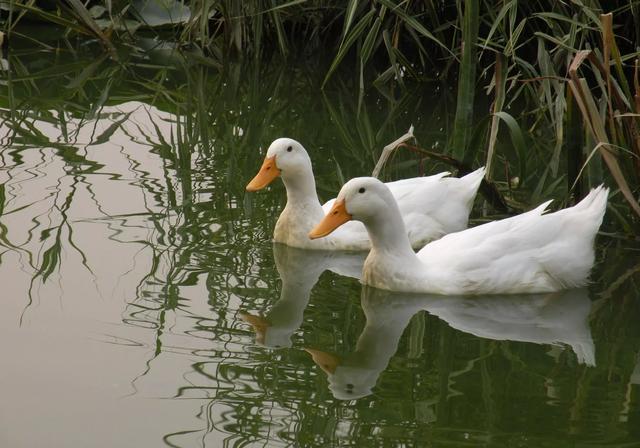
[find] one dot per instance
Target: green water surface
(132, 260)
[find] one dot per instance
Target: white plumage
(531, 252)
(430, 206)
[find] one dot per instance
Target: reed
(515, 55)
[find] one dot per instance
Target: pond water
(143, 303)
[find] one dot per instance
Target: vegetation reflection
(146, 163)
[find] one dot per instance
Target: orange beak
(259, 324)
(326, 361)
(335, 218)
(268, 172)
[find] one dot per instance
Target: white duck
(430, 207)
(528, 253)
(558, 319)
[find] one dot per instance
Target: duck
(430, 206)
(559, 319)
(533, 252)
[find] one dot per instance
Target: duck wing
(531, 252)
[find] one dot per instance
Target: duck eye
(361, 190)
(289, 148)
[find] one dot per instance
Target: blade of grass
(413, 22)
(463, 123)
(517, 138)
(607, 43)
(282, 39)
(348, 18)
(591, 115)
(85, 17)
(355, 33)
(500, 79)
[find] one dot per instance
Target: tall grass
(518, 53)
(436, 368)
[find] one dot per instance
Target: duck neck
(301, 191)
(388, 233)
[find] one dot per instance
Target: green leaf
(517, 138)
(367, 46)
(463, 122)
(413, 23)
(498, 20)
(348, 17)
(500, 80)
(355, 33)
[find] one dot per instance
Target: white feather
(430, 206)
(531, 252)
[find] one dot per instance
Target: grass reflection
(130, 179)
(457, 388)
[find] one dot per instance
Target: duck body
(430, 206)
(529, 253)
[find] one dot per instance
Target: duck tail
(594, 204)
(472, 182)
(586, 217)
(474, 178)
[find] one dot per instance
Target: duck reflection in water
(299, 270)
(560, 318)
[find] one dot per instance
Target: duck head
(285, 157)
(360, 199)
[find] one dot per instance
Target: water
(143, 304)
